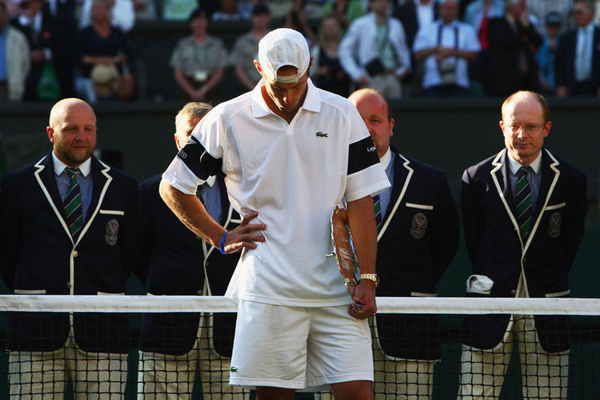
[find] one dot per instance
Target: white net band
(385, 305)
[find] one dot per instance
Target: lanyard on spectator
(455, 35)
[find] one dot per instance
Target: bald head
(374, 110)
(369, 94)
(72, 131)
(66, 106)
(525, 96)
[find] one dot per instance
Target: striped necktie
(377, 209)
(72, 203)
(523, 202)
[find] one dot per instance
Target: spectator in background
(228, 11)
(478, 14)
(313, 9)
(15, 61)
(280, 8)
(64, 54)
(245, 49)
(35, 22)
(121, 14)
(145, 10)
(245, 7)
(296, 19)
(69, 226)
(175, 262)
(546, 57)
(374, 52)
(417, 239)
(447, 46)
(513, 41)
(199, 60)
(578, 56)
(326, 71)
(415, 15)
(540, 8)
(106, 58)
(178, 10)
(12, 8)
(463, 8)
(345, 11)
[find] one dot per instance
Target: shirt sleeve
(472, 42)
(200, 158)
(366, 176)
(422, 40)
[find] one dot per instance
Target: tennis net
(160, 346)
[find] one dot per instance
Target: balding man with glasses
(523, 216)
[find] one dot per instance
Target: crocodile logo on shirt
(322, 134)
(233, 369)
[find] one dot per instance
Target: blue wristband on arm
(223, 243)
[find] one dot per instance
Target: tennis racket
(343, 249)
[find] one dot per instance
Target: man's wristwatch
(371, 277)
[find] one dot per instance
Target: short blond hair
(194, 109)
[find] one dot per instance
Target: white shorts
(299, 347)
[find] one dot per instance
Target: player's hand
(245, 235)
(364, 300)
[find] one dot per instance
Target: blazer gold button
(75, 253)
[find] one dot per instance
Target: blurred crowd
(51, 49)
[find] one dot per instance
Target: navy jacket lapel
(547, 179)
(400, 174)
(98, 182)
(49, 181)
(506, 188)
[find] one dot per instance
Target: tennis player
(290, 152)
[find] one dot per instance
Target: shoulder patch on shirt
(198, 160)
(362, 155)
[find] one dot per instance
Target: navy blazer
(565, 60)
(497, 251)
(177, 262)
(418, 240)
(39, 255)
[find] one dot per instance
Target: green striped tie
(523, 202)
(72, 203)
(377, 209)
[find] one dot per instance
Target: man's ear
(50, 132)
(258, 67)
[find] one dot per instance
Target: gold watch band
(371, 277)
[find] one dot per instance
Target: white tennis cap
(282, 47)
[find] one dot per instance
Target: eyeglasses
(529, 128)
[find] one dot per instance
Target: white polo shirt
(293, 175)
